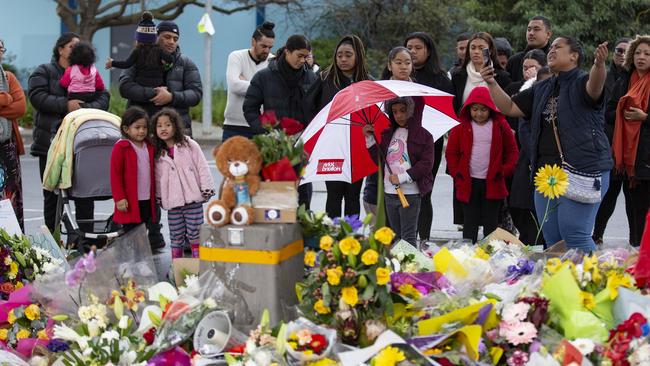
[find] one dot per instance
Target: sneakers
(177, 252)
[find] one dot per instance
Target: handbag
(6, 128)
(583, 187)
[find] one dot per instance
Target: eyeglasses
(619, 50)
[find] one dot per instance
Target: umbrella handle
(401, 196)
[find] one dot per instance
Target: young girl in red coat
(481, 153)
(132, 172)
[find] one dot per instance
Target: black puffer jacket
(269, 89)
(183, 81)
(642, 164)
(50, 101)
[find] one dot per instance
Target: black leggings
(425, 219)
(337, 192)
(480, 211)
(608, 205)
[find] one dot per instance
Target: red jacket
(503, 151)
(124, 182)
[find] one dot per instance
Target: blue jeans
(569, 220)
(403, 221)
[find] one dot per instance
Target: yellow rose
(310, 258)
(383, 276)
(350, 245)
(32, 312)
(3, 334)
(326, 242)
(334, 275)
(11, 317)
(384, 235)
(369, 257)
(42, 334)
(350, 295)
(320, 307)
(13, 270)
(23, 333)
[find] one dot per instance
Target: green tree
(383, 24)
(591, 21)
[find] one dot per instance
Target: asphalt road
(617, 229)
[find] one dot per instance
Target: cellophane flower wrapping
(181, 316)
(127, 258)
(302, 323)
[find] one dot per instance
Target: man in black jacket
(51, 104)
(181, 91)
(538, 36)
(182, 88)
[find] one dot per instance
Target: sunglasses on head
(619, 50)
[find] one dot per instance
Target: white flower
(584, 345)
(110, 335)
(262, 357)
(162, 288)
(93, 328)
(192, 286)
(210, 303)
(8, 260)
(128, 358)
(65, 333)
(400, 256)
(83, 343)
(327, 221)
(374, 328)
(124, 322)
(250, 346)
(641, 356)
(411, 267)
(38, 361)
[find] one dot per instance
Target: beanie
(146, 30)
(168, 26)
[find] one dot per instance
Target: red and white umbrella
(334, 139)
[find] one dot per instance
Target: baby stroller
(92, 147)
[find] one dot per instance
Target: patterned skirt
(10, 178)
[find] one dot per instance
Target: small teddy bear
(239, 161)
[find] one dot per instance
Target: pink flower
(518, 358)
(515, 312)
(520, 333)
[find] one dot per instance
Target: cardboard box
(259, 266)
(276, 203)
(500, 234)
(556, 250)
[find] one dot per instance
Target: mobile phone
(486, 57)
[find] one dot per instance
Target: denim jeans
(403, 221)
(569, 220)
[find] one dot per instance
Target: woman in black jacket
(427, 71)
(51, 104)
(629, 111)
(348, 66)
(282, 87)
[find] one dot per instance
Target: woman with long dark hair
(348, 66)
(427, 71)
(628, 110)
(51, 104)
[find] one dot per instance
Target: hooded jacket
(50, 101)
(270, 90)
(419, 145)
(503, 150)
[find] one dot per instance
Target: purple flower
(73, 277)
(57, 345)
(523, 267)
(352, 220)
(81, 268)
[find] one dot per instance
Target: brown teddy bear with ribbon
(239, 161)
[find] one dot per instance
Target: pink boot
(195, 250)
(177, 252)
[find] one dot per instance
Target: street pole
(207, 77)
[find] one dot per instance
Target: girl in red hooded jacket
(481, 153)
(132, 172)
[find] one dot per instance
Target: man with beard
(242, 65)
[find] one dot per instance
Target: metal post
(207, 77)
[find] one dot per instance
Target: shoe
(459, 227)
(598, 240)
(195, 250)
(177, 252)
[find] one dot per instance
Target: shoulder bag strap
(556, 133)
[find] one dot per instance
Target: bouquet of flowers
(265, 346)
(282, 152)
(349, 286)
(307, 341)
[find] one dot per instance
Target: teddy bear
(239, 161)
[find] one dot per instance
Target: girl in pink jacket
(183, 181)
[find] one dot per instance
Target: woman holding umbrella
(348, 66)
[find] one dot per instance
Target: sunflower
(551, 181)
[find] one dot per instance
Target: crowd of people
(517, 112)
